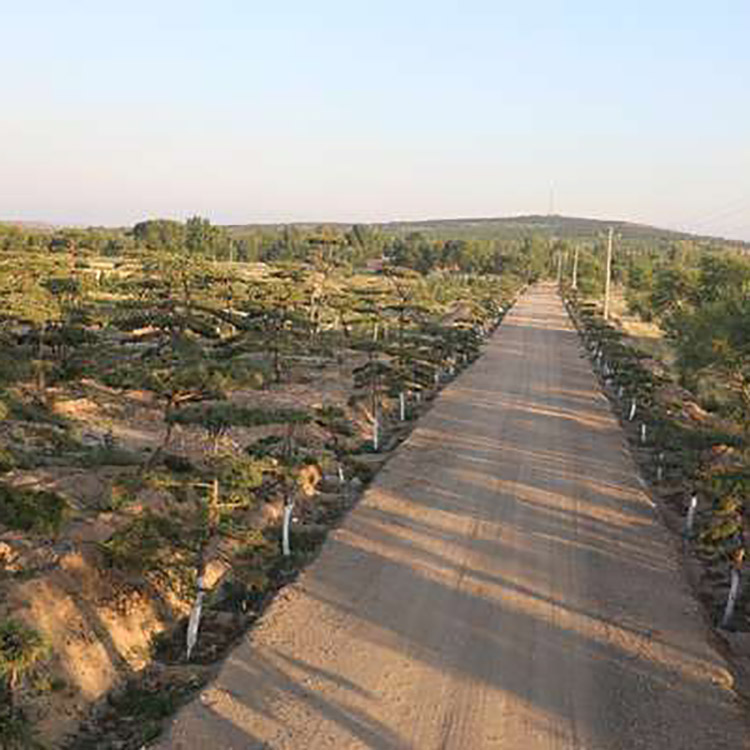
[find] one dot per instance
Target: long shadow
(380, 530)
(503, 583)
(500, 642)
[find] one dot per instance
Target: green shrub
(244, 374)
(7, 461)
(143, 544)
(20, 648)
(266, 446)
(27, 510)
(155, 548)
(114, 456)
(16, 731)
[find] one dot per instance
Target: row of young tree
(701, 300)
(191, 331)
(200, 336)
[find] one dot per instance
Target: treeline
(196, 236)
(355, 246)
(423, 254)
(702, 301)
(92, 241)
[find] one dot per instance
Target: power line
(730, 209)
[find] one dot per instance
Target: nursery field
(504, 582)
(178, 434)
(187, 411)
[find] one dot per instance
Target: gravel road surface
(503, 583)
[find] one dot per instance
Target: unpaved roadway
(504, 583)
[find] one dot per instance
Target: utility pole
(559, 267)
(608, 278)
(574, 285)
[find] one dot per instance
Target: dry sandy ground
(504, 583)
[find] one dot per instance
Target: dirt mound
(97, 633)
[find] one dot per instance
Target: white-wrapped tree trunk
(375, 432)
(734, 590)
(285, 542)
(690, 518)
(195, 618)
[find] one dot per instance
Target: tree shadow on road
(503, 583)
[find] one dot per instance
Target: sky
(284, 110)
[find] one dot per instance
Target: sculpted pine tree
(275, 320)
(234, 478)
(28, 300)
(164, 314)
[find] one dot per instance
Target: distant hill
(509, 228)
(564, 227)
(30, 226)
(516, 227)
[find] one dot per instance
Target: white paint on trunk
(195, 619)
(632, 411)
(402, 406)
(643, 432)
(342, 478)
(285, 546)
(734, 590)
(690, 517)
(376, 434)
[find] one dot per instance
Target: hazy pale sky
(277, 111)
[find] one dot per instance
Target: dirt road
(504, 583)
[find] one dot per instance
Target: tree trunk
(276, 365)
(285, 545)
(152, 459)
(197, 608)
(41, 379)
